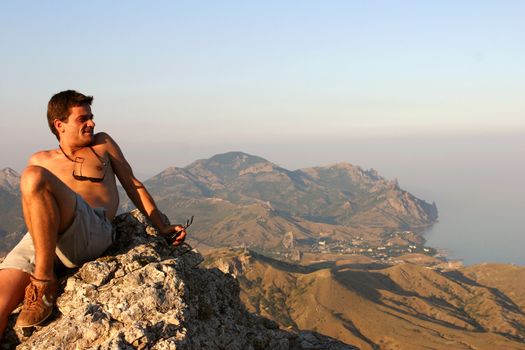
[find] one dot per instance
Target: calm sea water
(476, 180)
(483, 225)
(478, 184)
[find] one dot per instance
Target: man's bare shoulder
(103, 139)
(42, 157)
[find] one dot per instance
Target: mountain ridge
(235, 195)
(11, 220)
(9, 179)
(341, 196)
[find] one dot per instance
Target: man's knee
(33, 178)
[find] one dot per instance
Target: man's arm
(136, 191)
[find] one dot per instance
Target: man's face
(79, 127)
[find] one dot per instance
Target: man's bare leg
(49, 208)
(12, 285)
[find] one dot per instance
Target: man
(69, 198)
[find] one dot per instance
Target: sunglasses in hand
(172, 237)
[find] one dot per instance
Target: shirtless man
(69, 198)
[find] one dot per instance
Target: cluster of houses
(384, 251)
(392, 248)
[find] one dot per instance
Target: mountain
(381, 306)
(144, 294)
(11, 218)
(243, 199)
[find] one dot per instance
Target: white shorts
(86, 239)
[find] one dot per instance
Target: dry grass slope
(385, 307)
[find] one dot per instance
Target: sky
(410, 88)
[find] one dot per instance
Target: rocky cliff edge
(144, 294)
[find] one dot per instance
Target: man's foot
(39, 301)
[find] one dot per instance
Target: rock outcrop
(144, 294)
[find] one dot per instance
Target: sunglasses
(173, 236)
(77, 171)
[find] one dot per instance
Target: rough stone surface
(144, 294)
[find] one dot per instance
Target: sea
(478, 184)
(477, 180)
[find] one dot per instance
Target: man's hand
(174, 234)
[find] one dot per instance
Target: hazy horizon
(429, 93)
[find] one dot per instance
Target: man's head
(59, 107)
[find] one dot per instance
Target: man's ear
(59, 125)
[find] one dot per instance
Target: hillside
(373, 306)
(243, 199)
(507, 279)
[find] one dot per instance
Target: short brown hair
(60, 104)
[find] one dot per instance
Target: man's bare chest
(80, 171)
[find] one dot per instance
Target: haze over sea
(476, 180)
(428, 92)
